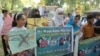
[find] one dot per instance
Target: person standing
(6, 27)
(88, 28)
(58, 19)
(19, 24)
(74, 23)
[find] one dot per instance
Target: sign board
(39, 22)
(54, 41)
(21, 40)
(89, 47)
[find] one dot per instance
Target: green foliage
(87, 4)
(54, 2)
(42, 2)
(11, 4)
(18, 5)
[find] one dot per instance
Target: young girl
(19, 24)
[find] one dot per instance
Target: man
(7, 24)
(88, 28)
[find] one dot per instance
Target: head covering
(58, 19)
(33, 14)
(71, 23)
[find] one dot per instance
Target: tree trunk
(12, 5)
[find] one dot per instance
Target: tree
(54, 2)
(11, 4)
(42, 2)
(17, 5)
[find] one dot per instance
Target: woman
(35, 14)
(58, 19)
(74, 23)
(76, 30)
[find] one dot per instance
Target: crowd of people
(17, 22)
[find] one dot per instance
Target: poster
(21, 40)
(54, 41)
(89, 47)
(39, 22)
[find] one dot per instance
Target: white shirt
(58, 22)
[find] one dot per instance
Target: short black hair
(90, 17)
(3, 11)
(77, 16)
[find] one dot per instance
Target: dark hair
(77, 16)
(38, 44)
(33, 14)
(68, 14)
(90, 17)
(3, 11)
(16, 17)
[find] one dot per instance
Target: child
(19, 24)
(88, 28)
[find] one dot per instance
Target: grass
(1, 48)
